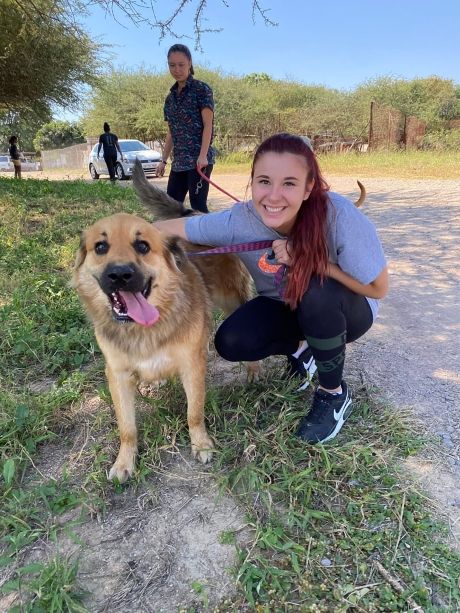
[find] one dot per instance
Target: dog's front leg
(123, 388)
(193, 380)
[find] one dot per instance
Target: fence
(391, 129)
(335, 142)
(69, 158)
(235, 143)
(76, 156)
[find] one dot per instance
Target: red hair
(308, 247)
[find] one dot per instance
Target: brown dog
(151, 310)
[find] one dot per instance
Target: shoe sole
(345, 413)
(310, 367)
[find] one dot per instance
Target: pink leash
(245, 247)
(203, 176)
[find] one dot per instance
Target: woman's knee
(229, 345)
(321, 296)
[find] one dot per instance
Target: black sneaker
(326, 417)
(303, 367)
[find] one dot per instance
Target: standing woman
(335, 275)
(15, 156)
(109, 141)
(189, 111)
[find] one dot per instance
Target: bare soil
(152, 550)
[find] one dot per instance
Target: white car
(132, 150)
(5, 163)
(28, 165)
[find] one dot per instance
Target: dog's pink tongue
(139, 309)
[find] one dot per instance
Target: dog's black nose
(120, 274)
(124, 277)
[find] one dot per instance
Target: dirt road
(413, 351)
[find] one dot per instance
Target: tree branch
(256, 8)
(145, 12)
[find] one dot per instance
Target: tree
(249, 108)
(24, 124)
(43, 61)
(58, 134)
(131, 102)
(257, 77)
(431, 99)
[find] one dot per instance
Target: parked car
(5, 163)
(132, 150)
(28, 165)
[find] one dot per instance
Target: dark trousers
(111, 160)
(179, 183)
(328, 316)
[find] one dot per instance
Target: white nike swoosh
(338, 415)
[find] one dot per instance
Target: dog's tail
(155, 199)
(362, 195)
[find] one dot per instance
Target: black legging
(179, 183)
(328, 316)
(111, 162)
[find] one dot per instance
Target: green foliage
(43, 60)
(52, 587)
(58, 134)
(257, 77)
(443, 140)
(45, 328)
(22, 123)
(431, 99)
(132, 103)
(31, 513)
(256, 105)
(428, 164)
(321, 515)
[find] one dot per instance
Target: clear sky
(337, 43)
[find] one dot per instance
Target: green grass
(324, 520)
(394, 165)
(51, 588)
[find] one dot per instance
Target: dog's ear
(81, 253)
(175, 253)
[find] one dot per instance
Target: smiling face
(179, 66)
(279, 186)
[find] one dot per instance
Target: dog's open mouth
(133, 306)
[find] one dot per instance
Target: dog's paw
(203, 450)
(253, 371)
(121, 471)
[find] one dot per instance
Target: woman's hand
(280, 249)
(378, 288)
(161, 169)
(202, 162)
(168, 146)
